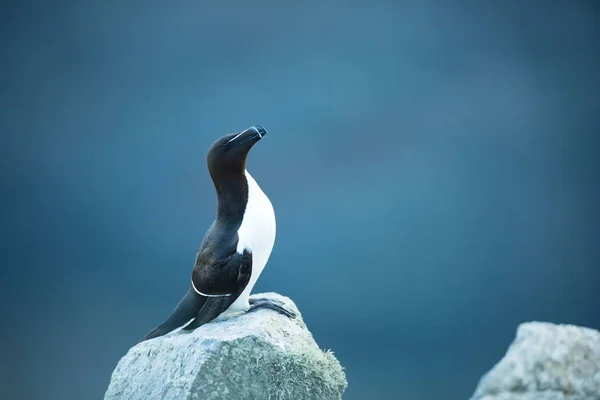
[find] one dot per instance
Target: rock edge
(546, 362)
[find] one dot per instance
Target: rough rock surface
(546, 362)
(258, 355)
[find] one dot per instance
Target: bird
(236, 246)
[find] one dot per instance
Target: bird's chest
(257, 230)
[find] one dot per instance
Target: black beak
(254, 133)
(260, 131)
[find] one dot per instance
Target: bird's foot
(256, 304)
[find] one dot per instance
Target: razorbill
(237, 245)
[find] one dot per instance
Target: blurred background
(433, 167)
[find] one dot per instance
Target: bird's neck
(232, 196)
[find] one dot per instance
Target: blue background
(433, 166)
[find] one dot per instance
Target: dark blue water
(433, 166)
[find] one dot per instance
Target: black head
(227, 155)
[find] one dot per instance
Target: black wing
(220, 283)
(186, 310)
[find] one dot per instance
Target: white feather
(257, 234)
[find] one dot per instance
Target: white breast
(257, 234)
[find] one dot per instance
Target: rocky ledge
(262, 354)
(546, 362)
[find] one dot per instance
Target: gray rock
(546, 362)
(258, 355)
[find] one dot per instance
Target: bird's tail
(186, 310)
